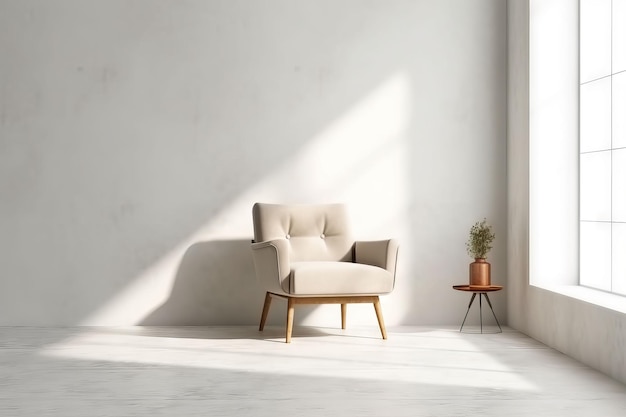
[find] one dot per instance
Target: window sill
(589, 295)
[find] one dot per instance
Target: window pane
(595, 255)
(595, 115)
(619, 258)
(619, 35)
(619, 110)
(619, 185)
(595, 186)
(595, 39)
(602, 144)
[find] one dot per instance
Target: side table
(481, 291)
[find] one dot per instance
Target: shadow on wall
(215, 284)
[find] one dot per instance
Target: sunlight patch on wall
(361, 159)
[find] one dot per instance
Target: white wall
(135, 137)
(590, 333)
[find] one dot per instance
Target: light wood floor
(237, 371)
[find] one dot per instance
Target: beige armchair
(305, 255)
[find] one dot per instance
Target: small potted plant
(478, 246)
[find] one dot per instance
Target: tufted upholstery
(314, 233)
(306, 253)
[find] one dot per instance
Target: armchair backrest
(314, 232)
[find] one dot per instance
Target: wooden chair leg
(290, 310)
(343, 316)
(266, 309)
(379, 316)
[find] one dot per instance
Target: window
(603, 145)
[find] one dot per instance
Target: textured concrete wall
(135, 137)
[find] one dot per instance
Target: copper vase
(480, 273)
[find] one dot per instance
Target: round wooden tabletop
(477, 288)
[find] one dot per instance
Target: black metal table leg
(480, 304)
(492, 312)
(468, 309)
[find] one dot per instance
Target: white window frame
(602, 147)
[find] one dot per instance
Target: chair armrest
(381, 253)
(271, 262)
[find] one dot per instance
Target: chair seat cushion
(338, 278)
